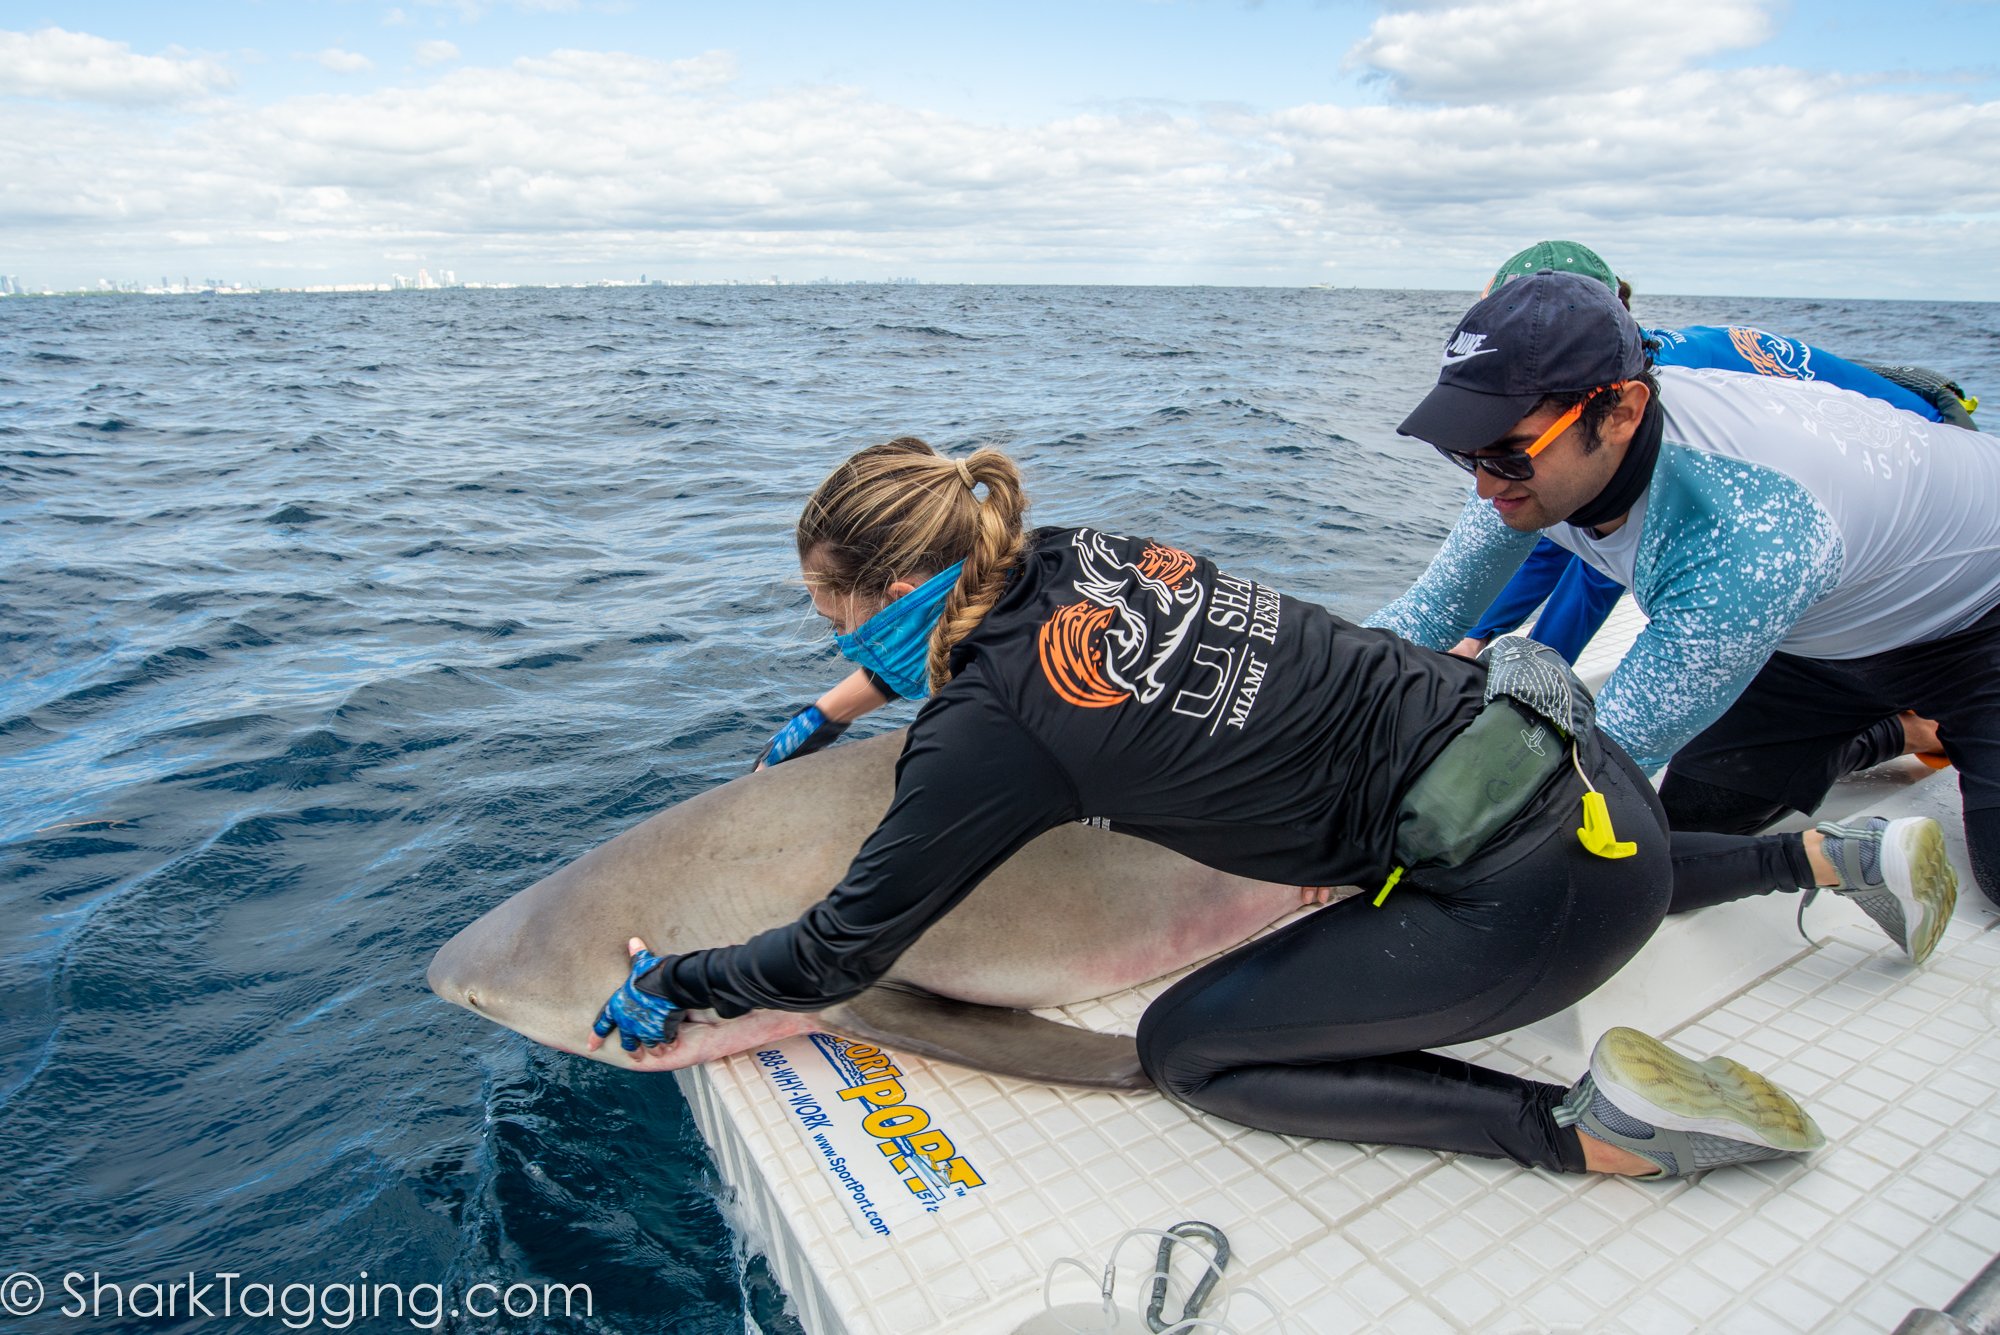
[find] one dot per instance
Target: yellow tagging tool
(1597, 835)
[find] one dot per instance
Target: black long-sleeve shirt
(1123, 682)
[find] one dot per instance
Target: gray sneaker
(1896, 871)
(1683, 1115)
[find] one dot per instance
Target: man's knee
(1705, 808)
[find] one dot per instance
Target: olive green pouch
(1478, 783)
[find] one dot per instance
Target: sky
(1842, 148)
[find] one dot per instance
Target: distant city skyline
(15, 285)
(1735, 147)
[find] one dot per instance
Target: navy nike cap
(1549, 333)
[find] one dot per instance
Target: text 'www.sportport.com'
(89, 1296)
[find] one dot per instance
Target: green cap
(1561, 256)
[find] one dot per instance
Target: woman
(1080, 675)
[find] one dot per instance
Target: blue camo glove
(639, 1017)
(806, 732)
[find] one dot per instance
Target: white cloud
(54, 63)
(344, 62)
(395, 18)
(469, 11)
(1507, 50)
(436, 53)
(1751, 181)
(711, 69)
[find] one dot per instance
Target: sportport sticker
(871, 1134)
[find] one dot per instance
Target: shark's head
(545, 985)
(549, 985)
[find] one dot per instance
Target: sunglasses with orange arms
(1519, 465)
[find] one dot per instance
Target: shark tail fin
(1006, 1042)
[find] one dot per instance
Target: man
(1811, 560)
(1574, 599)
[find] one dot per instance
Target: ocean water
(328, 622)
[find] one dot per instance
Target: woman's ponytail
(996, 547)
(902, 510)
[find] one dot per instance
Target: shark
(1080, 912)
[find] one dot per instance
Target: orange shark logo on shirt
(1072, 653)
(1771, 354)
(1102, 652)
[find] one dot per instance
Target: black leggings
(1318, 1029)
(1694, 805)
(1703, 806)
(1802, 723)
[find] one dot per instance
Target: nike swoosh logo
(1451, 360)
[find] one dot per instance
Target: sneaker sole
(1718, 1097)
(1919, 874)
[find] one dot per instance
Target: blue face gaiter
(895, 643)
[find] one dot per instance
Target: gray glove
(1536, 675)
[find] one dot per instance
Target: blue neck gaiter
(895, 643)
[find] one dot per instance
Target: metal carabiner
(1188, 1230)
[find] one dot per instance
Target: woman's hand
(822, 721)
(804, 733)
(639, 1017)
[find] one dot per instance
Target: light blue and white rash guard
(1783, 516)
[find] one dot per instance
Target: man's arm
(1529, 587)
(1733, 555)
(1468, 572)
(1674, 681)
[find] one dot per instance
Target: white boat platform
(1900, 1067)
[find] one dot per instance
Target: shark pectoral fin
(907, 1019)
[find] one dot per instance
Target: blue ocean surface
(328, 622)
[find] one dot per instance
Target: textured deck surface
(1901, 1068)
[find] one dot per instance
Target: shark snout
(453, 976)
(521, 982)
